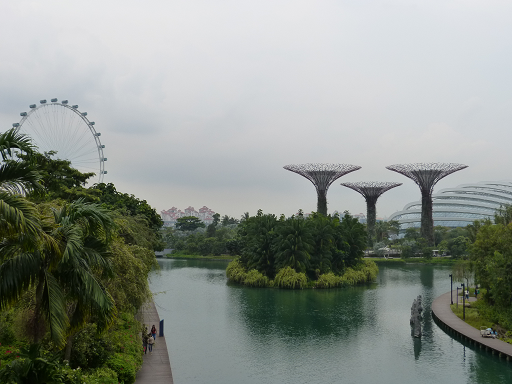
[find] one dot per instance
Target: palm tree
(259, 252)
(294, 244)
(323, 234)
(17, 178)
(64, 267)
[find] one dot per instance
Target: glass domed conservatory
(459, 206)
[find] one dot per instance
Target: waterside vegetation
(298, 252)
(74, 265)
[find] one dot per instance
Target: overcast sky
(204, 102)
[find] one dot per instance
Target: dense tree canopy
(189, 223)
(318, 244)
(71, 257)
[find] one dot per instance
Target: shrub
(124, 366)
(101, 376)
(328, 280)
(90, 350)
(236, 272)
(363, 272)
(254, 278)
(289, 278)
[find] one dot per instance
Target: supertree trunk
(321, 205)
(371, 218)
(371, 191)
(427, 220)
(426, 175)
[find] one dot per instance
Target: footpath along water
(220, 333)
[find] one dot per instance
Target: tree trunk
(69, 344)
(38, 321)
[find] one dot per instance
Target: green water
(220, 333)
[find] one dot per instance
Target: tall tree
(294, 244)
(189, 223)
(62, 266)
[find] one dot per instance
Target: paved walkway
(156, 368)
(446, 319)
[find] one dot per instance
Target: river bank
(415, 260)
(156, 366)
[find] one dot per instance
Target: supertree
(426, 175)
(371, 191)
(322, 176)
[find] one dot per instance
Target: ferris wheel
(62, 128)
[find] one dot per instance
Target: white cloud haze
(203, 103)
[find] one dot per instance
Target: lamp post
(457, 297)
(463, 302)
(451, 288)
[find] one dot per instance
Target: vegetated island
(298, 252)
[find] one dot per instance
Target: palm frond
(53, 304)
(17, 215)
(12, 139)
(16, 275)
(19, 177)
(92, 298)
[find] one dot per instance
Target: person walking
(145, 342)
(151, 341)
(153, 332)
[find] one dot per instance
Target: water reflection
(301, 314)
(230, 334)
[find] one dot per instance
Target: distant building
(170, 216)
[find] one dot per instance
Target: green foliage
(254, 278)
(131, 265)
(316, 245)
(329, 280)
(124, 367)
(103, 375)
(59, 179)
(503, 215)
(236, 272)
(364, 272)
(293, 244)
(188, 223)
(90, 349)
(32, 366)
(494, 314)
(290, 279)
(492, 247)
(116, 200)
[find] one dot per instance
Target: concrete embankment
(457, 328)
(156, 368)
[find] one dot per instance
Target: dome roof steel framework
(459, 206)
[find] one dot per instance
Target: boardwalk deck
(156, 368)
(442, 312)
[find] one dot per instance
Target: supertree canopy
(426, 175)
(371, 191)
(322, 176)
